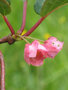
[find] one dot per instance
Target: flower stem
(28, 37)
(34, 27)
(2, 72)
(24, 17)
(23, 38)
(9, 25)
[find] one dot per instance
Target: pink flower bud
(35, 53)
(53, 46)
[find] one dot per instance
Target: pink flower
(53, 46)
(35, 53)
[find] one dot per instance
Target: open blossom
(53, 46)
(35, 53)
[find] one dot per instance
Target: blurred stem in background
(2, 80)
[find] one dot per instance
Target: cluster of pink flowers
(35, 53)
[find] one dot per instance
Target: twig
(34, 27)
(4, 40)
(9, 25)
(24, 17)
(39, 22)
(8, 39)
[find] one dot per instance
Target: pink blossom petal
(53, 46)
(43, 50)
(38, 60)
(26, 53)
(33, 53)
(35, 61)
(33, 49)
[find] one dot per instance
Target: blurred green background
(53, 74)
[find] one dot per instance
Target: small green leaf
(43, 7)
(5, 7)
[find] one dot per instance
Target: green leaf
(5, 7)
(8, 1)
(43, 7)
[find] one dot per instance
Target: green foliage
(53, 74)
(5, 7)
(9, 1)
(43, 7)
